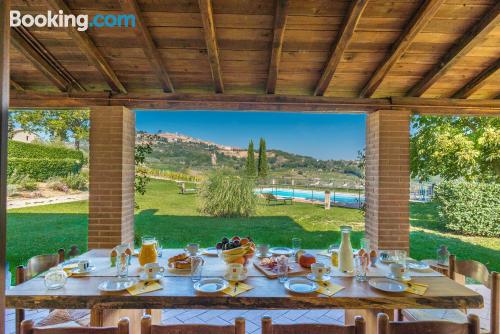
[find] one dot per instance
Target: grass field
(175, 221)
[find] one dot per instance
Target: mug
(192, 249)
(83, 265)
(319, 270)
(152, 269)
(236, 270)
(263, 249)
(397, 270)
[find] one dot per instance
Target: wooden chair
(27, 327)
(34, 267)
(384, 326)
(268, 327)
(479, 273)
(148, 328)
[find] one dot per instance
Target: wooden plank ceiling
(341, 48)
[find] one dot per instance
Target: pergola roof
(333, 48)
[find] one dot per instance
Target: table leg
(370, 317)
(103, 318)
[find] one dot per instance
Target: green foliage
(57, 183)
(456, 147)
(250, 169)
(469, 208)
(28, 184)
(43, 169)
(176, 176)
(38, 151)
(224, 195)
(76, 181)
(263, 168)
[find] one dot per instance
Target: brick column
(387, 219)
(112, 173)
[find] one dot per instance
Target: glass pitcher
(148, 252)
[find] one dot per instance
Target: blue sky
(323, 136)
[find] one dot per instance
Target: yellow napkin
(144, 287)
(235, 288)
(69, 268)
(329, 288)
(416, 288)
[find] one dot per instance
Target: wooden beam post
(149, 46)
(475, 84)
(468, 41)
(4, 115)
(280, 17)
(344, 37)
(207, 16)
(419, 20)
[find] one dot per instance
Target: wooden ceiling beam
(419, 20)
(149, 46)
(88, 47)
(211, 40)
(468, 41)
(342, 42)
(16, 86)
(280, 17)
(479, 81)
(38, 60)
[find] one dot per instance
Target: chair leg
(400, 315)
(20, 315)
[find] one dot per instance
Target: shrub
(12, 189)
(228, 196)
(28, 184)
(43, 169)
(469, 208)
(57, 183)
(76, 181)
(39, 151)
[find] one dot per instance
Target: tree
(263, 167)
(456, 147)
(250, 162)
(58, 124)
(143, 148)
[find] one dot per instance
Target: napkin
(325, 253)
(235, 288)
(416, 288)
(69, 268)
(329, 288)
(144, 287)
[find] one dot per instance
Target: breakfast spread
(180, 261)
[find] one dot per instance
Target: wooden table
(178, 292)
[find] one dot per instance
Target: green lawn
(175, 220)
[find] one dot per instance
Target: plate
(387, 285)
(240, 278)
(210, 251)
(404, 278)
(281, 251)
(311, 276)
(179, 271)
(301, 285)
(116, 284)
(211, 285)
(145, 278)
(261, 256)
(77, 270)
(418, 265)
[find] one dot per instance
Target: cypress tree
(262, 168)
(250, 163)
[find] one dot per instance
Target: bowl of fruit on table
(236, 249)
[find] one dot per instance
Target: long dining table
(357, 298)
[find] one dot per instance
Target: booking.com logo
(80, 22)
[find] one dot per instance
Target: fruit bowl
(236, 250)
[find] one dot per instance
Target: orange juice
(148, 253)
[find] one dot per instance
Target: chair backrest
(37, 265)
(268, 327)
(384, 326)
(148, 328)
(27, 327)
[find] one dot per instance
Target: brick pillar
(112, 172)
(387, 219)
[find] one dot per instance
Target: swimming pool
(314, 195)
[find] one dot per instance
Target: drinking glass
(122, 260)
(360, 264)
(365, 244)
(296, 245)
(282, 267)
(400, 257)
(55, 278)
(196, 268)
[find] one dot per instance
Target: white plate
(301, 285)
(77, 270)
(281, 251)
(240, 278)
(387, 285)
(145, 278)
(404, 278)
(418, 265)
(325, 278)
(116, 284)
(211, 285)
(210, 251)
(261, 256)
(179, 271)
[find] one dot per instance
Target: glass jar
(346, 263)
(148, 252)
(55, 278)
(443, 255)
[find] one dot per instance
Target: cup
(152, 269)
(282, 268)
(83, 265)
(319, 270)
(360, 266)
(235, 271)
(192, 248)
(196, 268)
(397, 270)
(263, 249)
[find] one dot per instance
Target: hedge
(43, 169)
(469, 208)
(37, 151)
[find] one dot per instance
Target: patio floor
(221, 317)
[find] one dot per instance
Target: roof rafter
(344, 37)
(16, 85)
(479, 81)
(149, 46)
(280, 17)
(211, 40)
(419, 20)
(468, 41)
(88, 47)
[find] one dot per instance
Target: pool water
(313, 195)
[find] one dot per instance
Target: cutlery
(326, 287)
(235, 287)
(146, 285)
